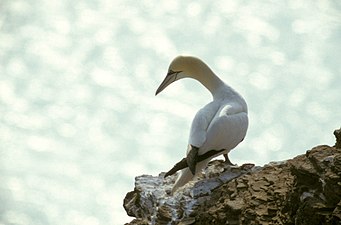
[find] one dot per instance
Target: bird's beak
(170, 78)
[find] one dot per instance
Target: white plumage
(221, 124)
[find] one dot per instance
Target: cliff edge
(302, 190)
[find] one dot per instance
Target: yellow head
(181, 67)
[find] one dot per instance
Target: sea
(79, 119)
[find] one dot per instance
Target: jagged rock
(302, 190)
(151, 200)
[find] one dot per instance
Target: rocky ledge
(302, 190)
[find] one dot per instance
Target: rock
(302, 190)
(151, 200)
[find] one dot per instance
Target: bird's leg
(227, 160)
(192, 158)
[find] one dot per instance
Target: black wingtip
(192, 158)
(180, 165)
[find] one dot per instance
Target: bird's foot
(227, 160)
(192, 158)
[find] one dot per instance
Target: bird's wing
(201, 122)
(227, 129)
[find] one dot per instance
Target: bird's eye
(171, 72)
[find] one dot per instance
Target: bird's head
(180, 67)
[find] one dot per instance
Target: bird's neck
(203, 73)
(208, 78)
(212, 82)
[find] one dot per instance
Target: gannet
(218, 127)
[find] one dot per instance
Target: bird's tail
(184, 177)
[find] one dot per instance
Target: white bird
(216, 128)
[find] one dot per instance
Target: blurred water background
(79, 119)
